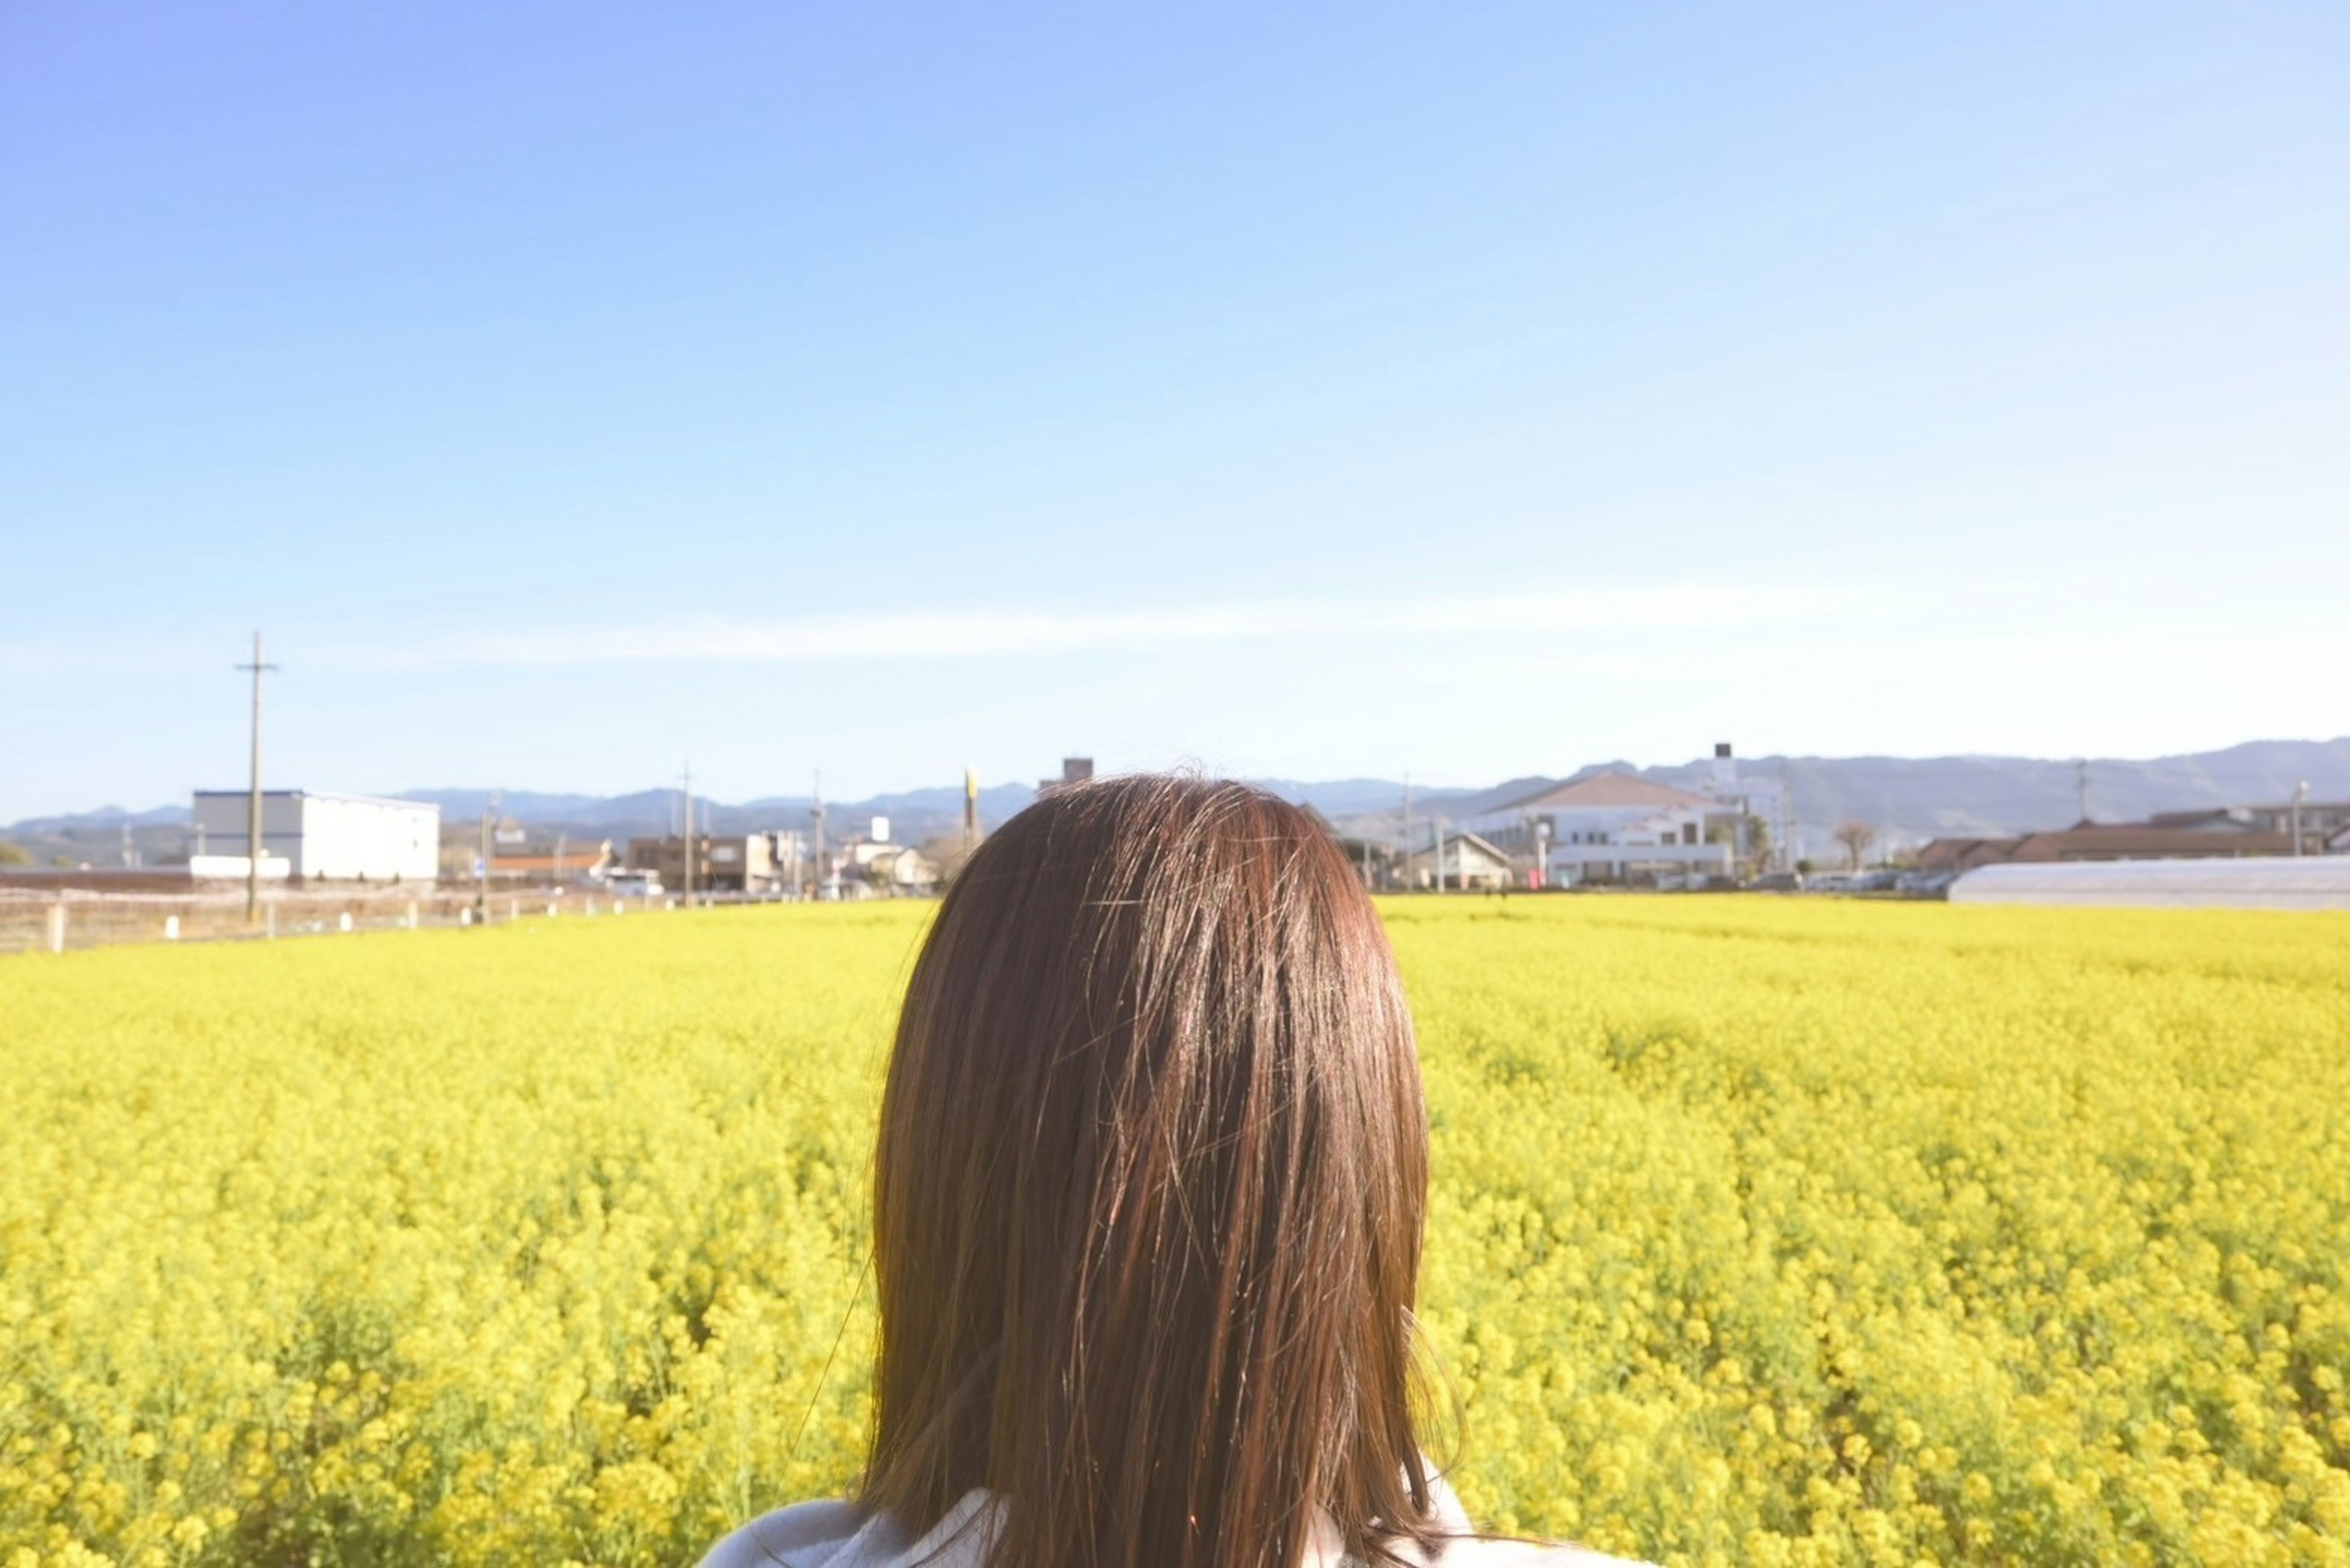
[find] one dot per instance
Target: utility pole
(1436, 841)
(1785, 828)
(2084, 766)
(490, 805)
(969, 811)
(253, 811)
(688, 835)
(2300, 794)
(1407, 830)
(816, 811)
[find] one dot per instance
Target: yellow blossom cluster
(1795, 1232)
(1760, 1231)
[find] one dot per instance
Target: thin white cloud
(968, 634)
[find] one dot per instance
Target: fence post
(56, 927)
(412, 915)
(170, 927)
(270, 926)
(347, 920)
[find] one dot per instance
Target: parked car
(634, 884)
(1778, 882)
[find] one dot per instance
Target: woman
(1146, 1213)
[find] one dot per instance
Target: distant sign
(880, 830)
(513, 835)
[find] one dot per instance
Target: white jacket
(836, 1535)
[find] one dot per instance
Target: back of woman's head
(1149, 1192)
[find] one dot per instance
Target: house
(558, 860)
(2170, 835)
(1465, 862)
(723, 863)
(2321, 820)
(2318, 820)
(870, 869)
(1074, 771)
(1612, 827)
(1963, 854)
(2207, 819)
(2144, 841)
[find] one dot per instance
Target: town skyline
(1911, 800)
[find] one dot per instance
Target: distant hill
(914, 815)
(105, 819)
(1927, 797)
(1919, 798)
(1903, 797)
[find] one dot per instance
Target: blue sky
(570, 392)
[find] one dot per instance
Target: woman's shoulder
(1477, 1553)
(842, 1535)
(1467, 1549)
(803, 1536)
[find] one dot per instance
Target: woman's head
(1148, 1191)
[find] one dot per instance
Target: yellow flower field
(1769, 1231)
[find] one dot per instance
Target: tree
(1749, 838)
(14, 853)
(946, 852)
(1855, 838)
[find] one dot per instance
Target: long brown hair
(1148, 1193)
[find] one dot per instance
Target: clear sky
(570, 391)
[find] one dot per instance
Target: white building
(1752, 800)
(900, 870)
(2255, 882)
(1612, 827)
(339, 838)
(1465, 863)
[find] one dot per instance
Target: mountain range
(1906, 798)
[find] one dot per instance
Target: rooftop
(320, 795)
(1613, 789)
